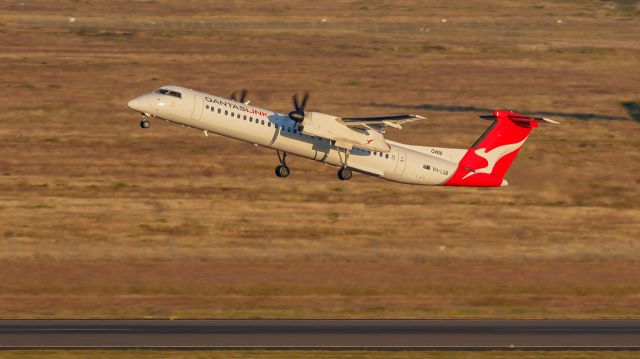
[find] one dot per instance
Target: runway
(322, 334)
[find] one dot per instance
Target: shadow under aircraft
(632, 107)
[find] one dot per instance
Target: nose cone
(138, 104)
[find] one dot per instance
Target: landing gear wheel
(282, 171)
(145, 124)
(344, 174)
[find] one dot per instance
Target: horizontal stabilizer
(521, 118)
(547, 120)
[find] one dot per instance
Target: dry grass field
(99, 218)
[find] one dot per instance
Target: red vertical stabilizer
(489, 158)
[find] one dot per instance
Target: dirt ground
(269, 354)
(99, 218)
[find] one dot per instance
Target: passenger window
(233, 114)
(244, 117)
(207, 107)
(289, 129)
(219, 110)
(226, 112)
(250, 119)
(268, 124)
(386, 156)
(262, 122)
(238, 115)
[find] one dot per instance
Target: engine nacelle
(327, 126)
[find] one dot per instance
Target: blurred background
(99, 218)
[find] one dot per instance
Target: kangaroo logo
(369, 142)
(492, 157)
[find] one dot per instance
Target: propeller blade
(296, 105)
(304, 101)
(298, 113)
(243, 95)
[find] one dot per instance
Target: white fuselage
(403, 163)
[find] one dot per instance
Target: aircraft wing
(379, 122)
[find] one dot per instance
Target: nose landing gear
(282, 170)
(145, 123)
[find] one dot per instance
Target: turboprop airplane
(351, 143)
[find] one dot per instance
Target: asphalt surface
(322, 334)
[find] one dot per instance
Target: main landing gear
(145, 123)
(344, 173)
(282, 170)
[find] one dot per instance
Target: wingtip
(419, 117)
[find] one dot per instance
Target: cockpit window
(168, 93)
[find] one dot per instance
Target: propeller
(298, 114)
(243, 95)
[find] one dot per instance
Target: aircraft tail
(489, 158)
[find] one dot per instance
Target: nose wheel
(145, 123)
(282, 170)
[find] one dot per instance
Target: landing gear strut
(145, 123)
(282, 170)
(344, 173)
